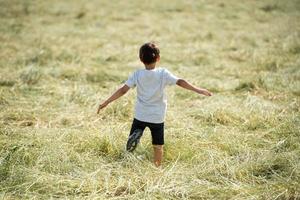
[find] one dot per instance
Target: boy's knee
(158, 147)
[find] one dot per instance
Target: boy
(151, 103)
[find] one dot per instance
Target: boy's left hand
(101, 106)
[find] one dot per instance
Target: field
(60, 59)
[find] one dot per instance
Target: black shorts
(157, 130)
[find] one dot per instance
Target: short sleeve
(170, 78)
(131, 81)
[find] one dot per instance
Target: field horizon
(60, 59)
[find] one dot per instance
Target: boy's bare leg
(158, 154)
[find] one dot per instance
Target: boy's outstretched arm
(120, 92)
(184, 84)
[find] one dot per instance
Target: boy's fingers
(206, 93)
(99, 108)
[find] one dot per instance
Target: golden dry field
(60, 59)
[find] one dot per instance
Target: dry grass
(58, 59)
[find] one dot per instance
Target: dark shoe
(134, 139)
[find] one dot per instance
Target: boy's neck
(150, 66)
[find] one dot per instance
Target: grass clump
(247, 86)
(30, 75)
(7, 83)
(270, 8)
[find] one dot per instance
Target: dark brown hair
(149, 53)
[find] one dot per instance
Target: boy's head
(149, 53)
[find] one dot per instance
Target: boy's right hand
(206, 92)
(101, 106)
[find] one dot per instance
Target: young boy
(151, 103)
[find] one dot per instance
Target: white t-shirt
(151, 103)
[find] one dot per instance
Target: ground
(60, 59)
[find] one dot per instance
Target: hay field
(60, 59)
